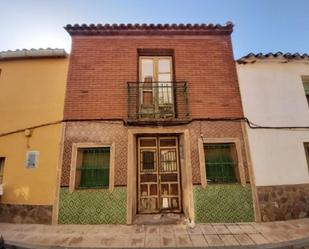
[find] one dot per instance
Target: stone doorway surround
(185, 168)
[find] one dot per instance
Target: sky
(260, 25)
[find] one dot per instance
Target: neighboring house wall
(273, 95)
(31, 94)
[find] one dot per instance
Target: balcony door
(156, 89)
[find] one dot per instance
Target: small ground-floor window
(220, 162)
(93, 167)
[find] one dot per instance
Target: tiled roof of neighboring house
(252, 58)
(33, 53)
(149, 29)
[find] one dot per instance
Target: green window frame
(305, 80)
(220, 162)
(94, 168)
(306, 145)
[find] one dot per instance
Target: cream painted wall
(278, 156)
(32, 92)
(273, 95)
(31, 186)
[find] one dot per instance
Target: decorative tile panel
(210, 129)
(96, 132)
(92, 206)
(223, 203)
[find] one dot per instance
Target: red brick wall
(101, 66)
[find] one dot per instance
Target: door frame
(158, 148)
(184, 163)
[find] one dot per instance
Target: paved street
(256, 235)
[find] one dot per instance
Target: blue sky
(260, 25)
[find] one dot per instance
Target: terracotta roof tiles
(251, 58)
(33, 53)
(149, 29)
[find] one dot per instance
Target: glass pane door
(165, 96)
(156, 87)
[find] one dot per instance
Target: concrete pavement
(283, 234)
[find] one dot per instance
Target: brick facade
(100, 66)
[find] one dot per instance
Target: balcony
(158, 102)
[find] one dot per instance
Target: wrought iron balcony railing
(158, 101)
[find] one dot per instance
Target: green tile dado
(223, 203)
(92, 206)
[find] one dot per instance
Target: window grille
(94, 168)
(220, 162)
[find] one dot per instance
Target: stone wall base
(283, 202)
(27, 214)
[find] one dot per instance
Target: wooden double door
(159, 187)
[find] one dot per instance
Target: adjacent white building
(275, 97)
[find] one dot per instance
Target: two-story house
(32, 91)
(153, 126)
(275, 96)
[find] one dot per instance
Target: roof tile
(149, 29)
(251, 57)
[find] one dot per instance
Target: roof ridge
(31, 49)
(150, 28)
(33, 53)
(273, 55)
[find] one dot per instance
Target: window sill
(92, 188)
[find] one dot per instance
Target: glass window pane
(164, 77)
(148, 142)
(165, 142)
(147, 70)
(220, 161)
(164, 66)
(168, 160)
(148, 160)
(165, 92)
(95, 167)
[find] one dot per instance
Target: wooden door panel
(158, 175)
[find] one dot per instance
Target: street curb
(292, 244)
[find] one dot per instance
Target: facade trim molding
(185, 168)
(240, 165)
(55, 209)
(75, 160)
